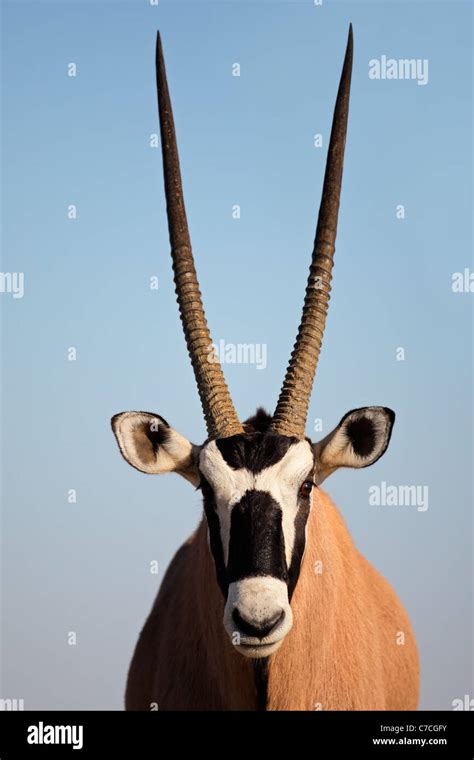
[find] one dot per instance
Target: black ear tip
(114, 420)
(390, 414)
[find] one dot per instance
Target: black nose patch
(257, 545)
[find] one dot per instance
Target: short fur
(351, 646)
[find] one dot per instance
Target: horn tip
(350, 38)
(158, 48)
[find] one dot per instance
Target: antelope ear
(149, 444)
(361, 438)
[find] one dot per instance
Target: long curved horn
(221, 417)
(292, 408)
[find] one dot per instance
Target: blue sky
(247, 140)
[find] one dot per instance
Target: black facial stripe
(254, 451)
(215, 541)
(257, 545)
(260, 670)
(299, 545)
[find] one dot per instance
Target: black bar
(164, 734)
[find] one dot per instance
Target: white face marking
(281, 480)
(257, 600)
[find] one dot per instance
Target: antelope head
(257, 478)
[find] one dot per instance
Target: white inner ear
(339, 451)
(175, 453)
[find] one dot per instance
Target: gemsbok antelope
(269, 605)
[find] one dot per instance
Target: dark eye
(306, 488)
